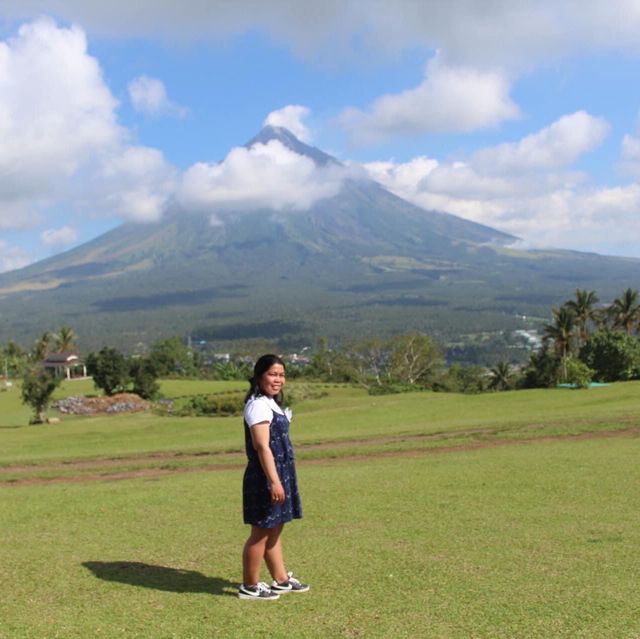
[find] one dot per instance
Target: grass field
(510, 515)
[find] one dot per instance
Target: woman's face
(272, 380)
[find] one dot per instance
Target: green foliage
(65, 339)
(109, 369)
(144, 378)
(462, 379)
(394, 389)
(38, 385)
(612, 355)
(232, 370)
(577, 373)
(543, 370)
(13, 360)
(413, 359)
(501, 377)
(625, 311)
(209, 405)
(172, 357)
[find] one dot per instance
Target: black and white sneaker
(260, 591)
(290, 585)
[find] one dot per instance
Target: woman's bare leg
(273, 554)
(253, 554)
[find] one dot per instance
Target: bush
(542, 371)
(578, 373)
(394, 389)
(38, 385)
(144, 378)
(109, 370)
(612, 355)
(209, 405)
(462, 379)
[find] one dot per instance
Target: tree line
(585, 341)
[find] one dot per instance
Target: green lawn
(528, 539)
(536, 541)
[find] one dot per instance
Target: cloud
(555, 146)
(527, 188)
(12, 257)
(263, 176)
(61, 142)
(493, 33)
(64, 236)
(55, 113)
(136, 184)
(149, 96)
(450, 99)
(290, 117)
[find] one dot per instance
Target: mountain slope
(363, 261)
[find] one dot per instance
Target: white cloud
(61, 142)
(137, 184)
(63, 236)
(290, 117)
(555, 146)
(55, 113)
(149, 96)
(263, 176)
(12, 257)
(527, 188)
(450, 99)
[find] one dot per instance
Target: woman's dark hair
(263, 364)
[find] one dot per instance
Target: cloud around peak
(290, 117)
(263, 176)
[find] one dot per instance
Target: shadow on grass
(136, 573)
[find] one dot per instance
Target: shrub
(578, 373)
(612, 355)
(38, 385)
(109, 370)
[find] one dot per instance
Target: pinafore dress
(257, 506)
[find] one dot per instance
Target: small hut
(67, 365)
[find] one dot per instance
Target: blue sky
(523, 116)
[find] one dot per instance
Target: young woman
(270, 489)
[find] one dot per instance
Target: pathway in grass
(157, 465)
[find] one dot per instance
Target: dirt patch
(156, 472)
(120, 403)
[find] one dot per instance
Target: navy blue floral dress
(256, 495)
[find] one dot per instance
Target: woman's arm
(260, 438)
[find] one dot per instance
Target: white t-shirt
(259, 409)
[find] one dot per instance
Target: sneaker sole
(241, 595)
(286, 591)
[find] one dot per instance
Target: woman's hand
(277, 493)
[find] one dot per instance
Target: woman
(270, 489)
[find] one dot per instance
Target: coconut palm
(625, 311)
(42, 347)
(501, 376)
(65, 339)
(562, 333)
(583, 308)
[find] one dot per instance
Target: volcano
(361, 262)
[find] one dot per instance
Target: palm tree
(501, 377)
(42, 347)
(65, 339)
(562, 333)
(584, 311)
(625, 311)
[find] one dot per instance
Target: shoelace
(262, 587)
(293, 580)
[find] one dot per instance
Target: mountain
(363, 262)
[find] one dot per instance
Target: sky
(521, 115)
